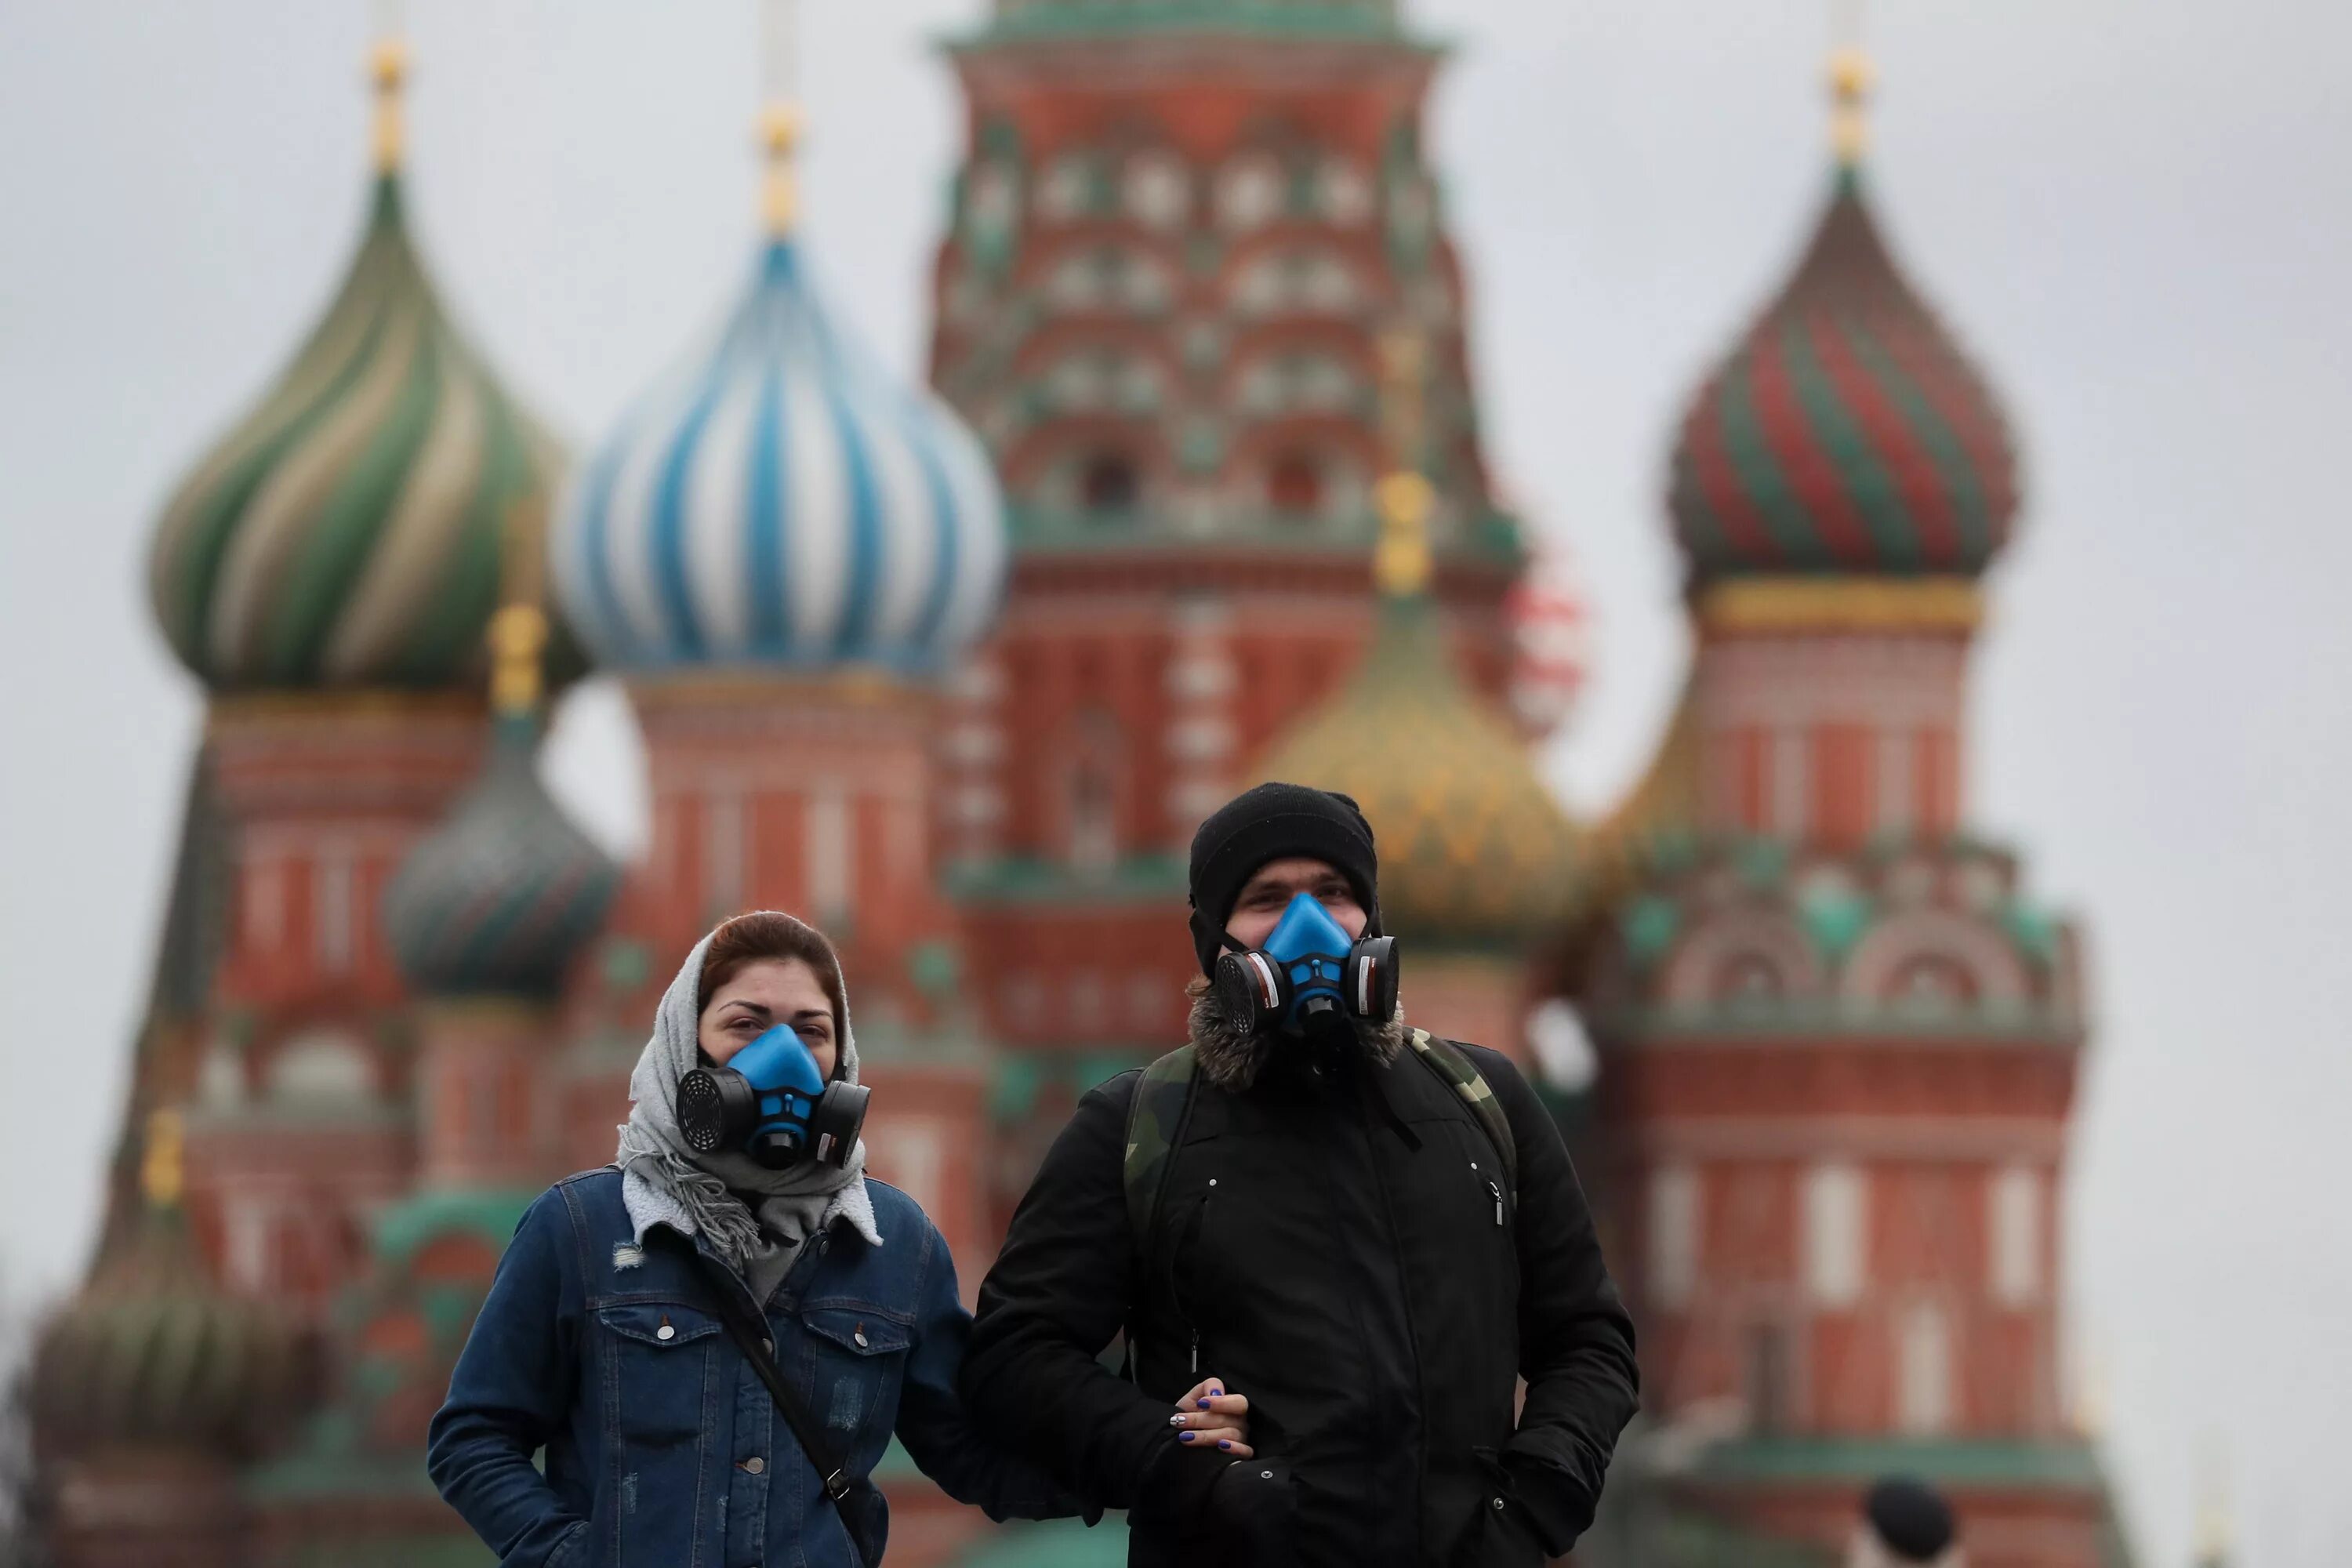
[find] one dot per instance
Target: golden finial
(518, 639)
(1852, 76)
(388, 66)
(161, 1173)
(518, 632)
(780, 120)
(780, 197)
(1404, 499)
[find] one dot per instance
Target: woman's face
(762, 994)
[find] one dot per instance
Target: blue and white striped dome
(782, 501)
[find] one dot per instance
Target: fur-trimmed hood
(1229, 1056)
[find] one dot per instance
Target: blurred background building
(956, 676)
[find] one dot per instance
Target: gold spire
(1404, 499)
(517, 632)
(1852, 77)
(779, 193)
(161, 1173)
(780, 121)
(388, 66)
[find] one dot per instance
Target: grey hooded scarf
(664, 1183)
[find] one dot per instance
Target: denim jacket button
(665, 1332)
(768, 1345)
(860, 1337)
(755, 1463)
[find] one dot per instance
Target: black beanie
(1270, 823)
(1910, 1518)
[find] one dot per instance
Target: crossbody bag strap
(1454, 1068)
(1157, 1116)
(751, 1339)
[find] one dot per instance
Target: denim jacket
(664, 1449)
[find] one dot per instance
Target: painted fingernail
(1216, 1394)
(1224, 1443)
(1185, 1436)
(1177, 1419)
(1205, 1404)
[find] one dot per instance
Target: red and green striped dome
(1846, 434)
(350, 530)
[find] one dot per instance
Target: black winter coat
(1330, 1244)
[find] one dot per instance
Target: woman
(605, 1338)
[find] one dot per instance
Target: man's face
(1265, 895)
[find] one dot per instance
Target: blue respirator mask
(1311, 977)
(771, 1101)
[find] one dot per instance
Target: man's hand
(1209, 1418)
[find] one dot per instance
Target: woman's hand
(1209, 1418)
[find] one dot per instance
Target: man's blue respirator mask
(771, 1101)
(1309, 976)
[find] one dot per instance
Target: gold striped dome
(1475, 850)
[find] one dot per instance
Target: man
(1335, 1224)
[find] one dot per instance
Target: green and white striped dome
(348, 532)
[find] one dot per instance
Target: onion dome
(1846, 434)
(781, 500)
(1552, 641)
(347, 533)
(498, 900)
(151, 1353)
(1474, 851)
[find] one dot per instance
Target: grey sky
(2139, 212)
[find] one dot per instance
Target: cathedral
(1196, 495)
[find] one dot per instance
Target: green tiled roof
(1950, 1462)
(490, 1215)
(1140, 878)
(1491, 536)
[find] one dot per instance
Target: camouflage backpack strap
(1155, 1125)
(1451, 1063)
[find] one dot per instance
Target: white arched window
(831, 856)
(1923, 1373)
(1300, 281)
(1673, 1235)
(1249, 193)
(1158, 189)
(1837, 1235)
(1067, 189)
(325, 1067)
(1093, 803)
(2014, 1235)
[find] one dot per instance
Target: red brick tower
(327, 573)
(1178, 234)
(1838, 1043)
(485, 918)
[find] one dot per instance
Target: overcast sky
(2138, 213)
